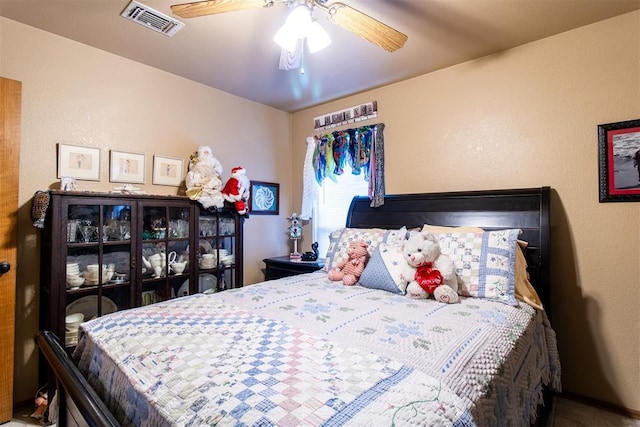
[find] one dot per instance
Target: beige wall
(528, 117)
(78, 95)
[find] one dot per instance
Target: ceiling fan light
(299, 20)
(317, 37)
(286, 38)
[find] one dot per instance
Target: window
(333, 204)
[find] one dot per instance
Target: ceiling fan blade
(365, 26)
(202, 8)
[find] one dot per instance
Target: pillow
(497, 279)
(385, 269)
(437, 229)
(339, 242)
(464, 247)
(484, 260)
(524, 290)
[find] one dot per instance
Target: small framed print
(78, 162)
(619, 161)
(265, 198)
(167, 171)
(126, 167)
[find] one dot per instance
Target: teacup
(207, 261)
(91, 274)
(73, 268)
(179, 267)
(74, 281)
(72, 321)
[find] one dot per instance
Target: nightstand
(281, 266)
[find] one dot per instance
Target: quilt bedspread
(306, 351)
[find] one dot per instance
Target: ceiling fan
(340, 14)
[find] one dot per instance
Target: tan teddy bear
(350, 270)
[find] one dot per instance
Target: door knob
(4, 267)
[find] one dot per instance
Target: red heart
(429, 279)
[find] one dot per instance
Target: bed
(303, 350)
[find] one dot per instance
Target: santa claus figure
(236, 190)
(203, 179)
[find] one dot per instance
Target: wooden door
(10, 109)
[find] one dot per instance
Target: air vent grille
(151, 19)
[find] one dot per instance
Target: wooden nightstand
(281, 266)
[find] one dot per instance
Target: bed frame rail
(81, 405)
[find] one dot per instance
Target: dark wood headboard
(527, 209)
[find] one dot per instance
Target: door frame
(10, 118)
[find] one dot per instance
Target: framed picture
(126, 167)
(265, 198)
(167, 171)
(619, 161)
(78, 162)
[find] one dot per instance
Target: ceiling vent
(152, 19)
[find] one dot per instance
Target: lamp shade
(294, 28)
(299, 26)
(317, 37)
(299, 20)
(285, 38)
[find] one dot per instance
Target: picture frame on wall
(264, 198)
(126, 167)
(167, 170)
(78, 162)
(619, 161)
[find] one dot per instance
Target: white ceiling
(234, 52)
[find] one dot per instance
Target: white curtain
(310, 188)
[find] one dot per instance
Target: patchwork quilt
(306, 351)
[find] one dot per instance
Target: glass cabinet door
(165, 252)
(216, 256)
(105, 252)
(98, 262)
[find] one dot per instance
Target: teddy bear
(203, 179)
(350, 270)
(236, 190)
(435, 273)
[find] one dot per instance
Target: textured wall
(528, 117)
(78, 95)
(525, 117)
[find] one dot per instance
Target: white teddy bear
(203, 179)
(435, 274)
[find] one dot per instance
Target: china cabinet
(104, 252)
